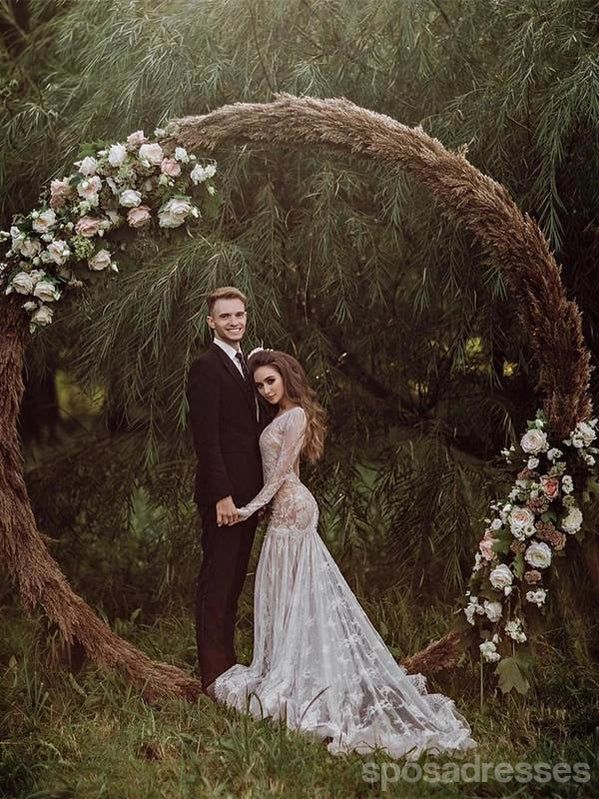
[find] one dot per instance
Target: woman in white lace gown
(318, 662)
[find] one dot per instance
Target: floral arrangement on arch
(135, 185)
(527, 531)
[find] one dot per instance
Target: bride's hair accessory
(259, 349)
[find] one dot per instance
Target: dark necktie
(244, 368)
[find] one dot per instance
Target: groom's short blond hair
(225, 293)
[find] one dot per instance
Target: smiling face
(270, 384)
(228, 320)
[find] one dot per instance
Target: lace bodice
(280, 445)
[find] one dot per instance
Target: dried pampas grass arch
(474, 200)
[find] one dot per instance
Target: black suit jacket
(222, 415)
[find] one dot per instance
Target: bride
(318, 662)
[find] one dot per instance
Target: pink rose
(137, 138)
(88, 226)
(59, 193)
(139, 216)
(170, 167)
(88, 189)
(550, 486)
(486, 546)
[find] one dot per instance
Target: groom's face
(228, 320)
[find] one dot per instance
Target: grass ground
(87, 735)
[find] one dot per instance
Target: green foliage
(345, 263)
(512, 673)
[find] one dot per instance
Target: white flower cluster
(130, 183)
(524, 532)
(514, 630)
(488, 650)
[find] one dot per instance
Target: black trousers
(226, 552)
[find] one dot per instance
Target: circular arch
(474, 200)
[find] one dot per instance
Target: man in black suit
(226, 419)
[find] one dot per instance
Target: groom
(226, 417)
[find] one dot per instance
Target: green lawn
(89, 735)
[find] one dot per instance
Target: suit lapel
(234, 371)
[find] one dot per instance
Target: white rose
(181, 155)
(534, 441)
(532, 463)
(572, 522)
(501, 576)
(43, 316)
(174, 212)
(58, 252)
(567, 484)
(514, 630)
(472, 608)
(521, 520)
(152, 153)
(88, 166)
(44, 221)
(538, 555)
(554, 453)
(586, 432)
(489, 652)
(201, 173)
(100, 261)
(30, 306)
(537, 597)
(493, 610)
(22, 283)
(29, 248)
(117, 155)
(130, 198)
(46, 291)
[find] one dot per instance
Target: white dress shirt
(230, 351)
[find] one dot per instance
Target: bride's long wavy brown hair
(298, 390)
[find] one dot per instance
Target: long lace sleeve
(294, 428)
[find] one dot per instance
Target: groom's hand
(226, 512)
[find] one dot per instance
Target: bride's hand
(238, 518)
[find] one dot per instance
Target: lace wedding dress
(318, 662)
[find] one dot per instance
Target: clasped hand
(226, 512)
